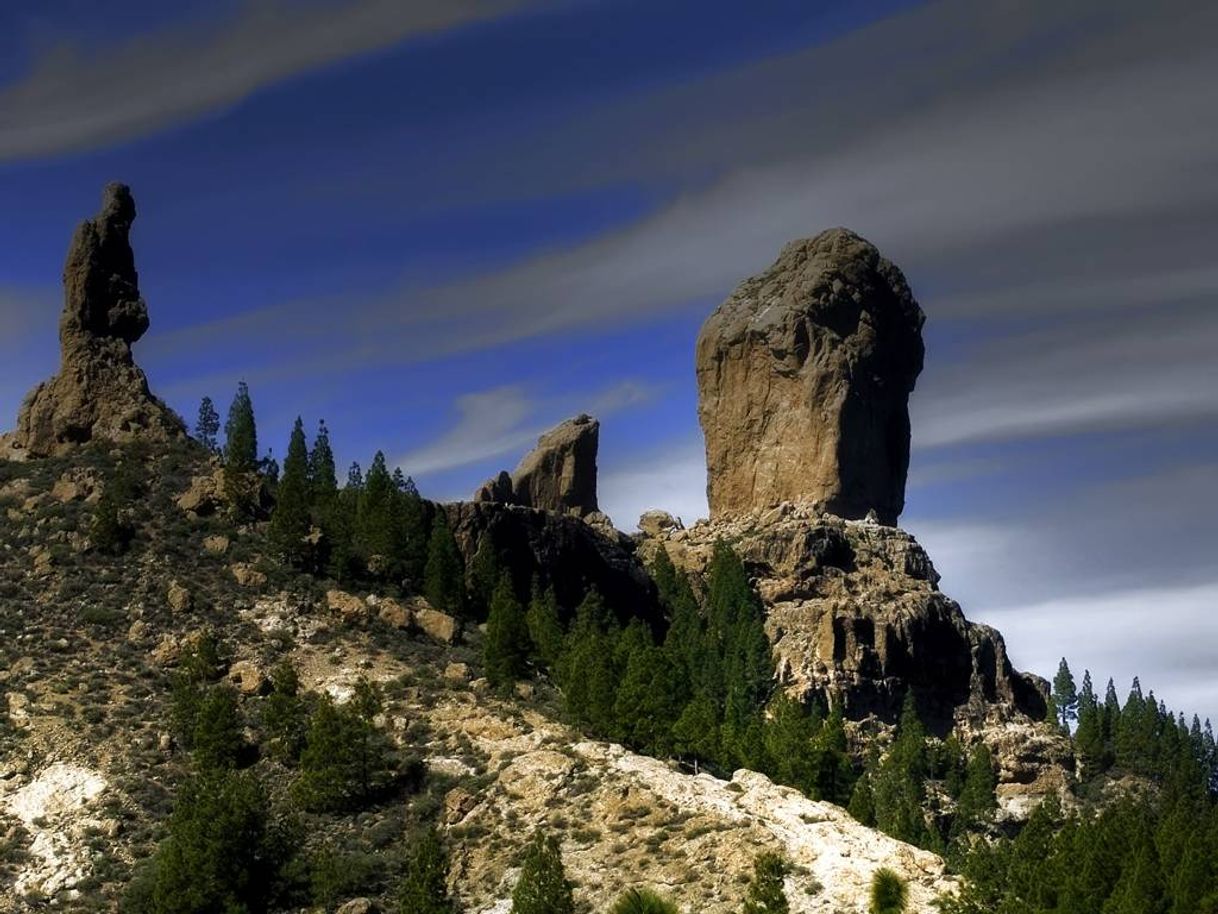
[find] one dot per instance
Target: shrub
(642, 901)
(889, 893)
(765, 894)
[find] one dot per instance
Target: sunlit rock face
(804, 376)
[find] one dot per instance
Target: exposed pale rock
(497, 489)
(99, 391)
(457, 672)
(804, 376)
(205, 495)
(359, 906)
(78, 484)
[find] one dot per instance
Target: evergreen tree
(444, 574)
(649, 697)
(377, 533)
(486, 570)
(219, 729)
(696, 732)
(207, 427)
(545, 629)
(323, 477)
(284, 717)
(765, 893)
(977, 798)
(220, 854)
(789, 732)
(899, 784)
(290, 521)
(834, 773)
(344, 757)
(425, 884)
(588, 673)
(240, 452)
(1065, 696)
(543, 887)
(862, 800)
(506, 649)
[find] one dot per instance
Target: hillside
(231, 685)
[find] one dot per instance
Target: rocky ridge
(99, 391)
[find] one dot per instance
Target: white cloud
(508, 420)
(671, 477)
(71, 100)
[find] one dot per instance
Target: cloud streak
(507, 421)
(71, 100)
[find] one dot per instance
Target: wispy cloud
(506, 421)
(72, 100)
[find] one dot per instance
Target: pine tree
(977, 799)
(284, 718)
(377, 540)
(220, 854)
(543, 887)
(765, 893)
(506, 649)
(344, 756)
(649, 697)
(899, 784)
(290, 520)
(240, 452)
(588, 674)
(545, 629)
(696, 732)
(834, 774)
(444, 575)
(323, 477)
(1065, 697)
(207, 427)
(219, 729)
(425, 884)
(789, 732)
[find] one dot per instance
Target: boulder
(393, 613)
(205, 495)
(99, 391)
(435, 624)
(216, 544)
(248, 677)
(350, 608)
(247, 575)
(804, 376)
(497, 489)
(178, 597)
(656, 522)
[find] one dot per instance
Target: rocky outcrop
(854, 612)
(557, 475)
(559, 551)
(99, 391)
(804, 376)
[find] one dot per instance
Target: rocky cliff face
(855, 613)
(559, 474)
(804, 376)
(99, 391)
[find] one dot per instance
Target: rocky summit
(804, 376)
(99, 391)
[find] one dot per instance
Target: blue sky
(444, 225)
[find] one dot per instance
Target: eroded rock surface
(99, 391)
(559, 474)
(804, 376)
(854, 611)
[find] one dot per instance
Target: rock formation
(563, 552)
(99, 391)
(804, 376)
(559, 474)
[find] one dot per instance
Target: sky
(445, 225)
